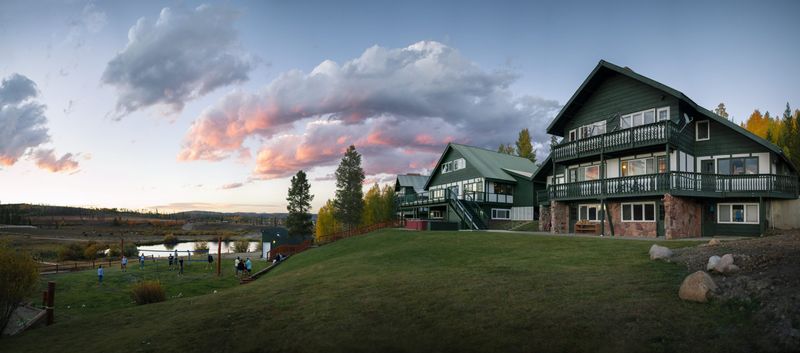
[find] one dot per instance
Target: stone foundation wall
(544, 219)
(559, 216)
(628, 229)
(682, 217)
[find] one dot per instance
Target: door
(660, 219)
(707, 170)
(709, 219)
(573, 217)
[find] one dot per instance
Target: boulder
(712, 262)
(697, 287)
(725, 264)
(660, 253)
(713, 242)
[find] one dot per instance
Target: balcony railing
(442, 195)
(640, 136)
(714, 185)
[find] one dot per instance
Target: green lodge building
(638, 158)
(472, 188)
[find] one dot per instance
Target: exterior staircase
(469, 212)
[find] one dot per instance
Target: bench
(587, 228)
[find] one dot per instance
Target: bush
(147, 292)
(92, 251)
(201, 247)
(130, 250)
(18, 276)
(170, 239)
(241, 245)
(71, 251)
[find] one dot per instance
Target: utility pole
(219, 255)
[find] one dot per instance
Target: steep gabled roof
(415, 181)
(490, 164)
(604, 68)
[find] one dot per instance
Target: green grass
(428, 291)
(79, 296)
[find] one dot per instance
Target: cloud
(220, 207)
(23, 127)
(398, 106)
(91, 21)
(231, 186)
(46, 159)
(182, 55)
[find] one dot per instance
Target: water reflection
(184, 249)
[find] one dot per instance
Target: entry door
(660, 220)
(573, 217)
(709, 219)
(707, 168)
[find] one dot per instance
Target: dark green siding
(469, 172)
(724, 140)
(523, 192)
(619, 95)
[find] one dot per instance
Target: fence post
(51, 294)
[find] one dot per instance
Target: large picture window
(738, 166)
(589, 213)
(742, 213)
(500, 213)
(504, 189)
(643, 117)
(639, 212)
(644, 166)
(591, 172)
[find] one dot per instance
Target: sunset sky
(183, 105)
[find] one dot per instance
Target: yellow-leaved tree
(326, 224)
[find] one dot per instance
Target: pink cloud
(46, 159)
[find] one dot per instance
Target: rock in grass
(697, 287)
(713, 242)
(712, 262)
(660, 253)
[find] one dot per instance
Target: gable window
(643, 117)
(644, 166)
(452, 166)
(701, 131)
(500, 213)
(593, 129)
(662, 114)
(738, 166)
(572, 135)
(639, 212)
(746, 213)
(589, 213)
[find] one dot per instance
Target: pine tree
(721, 111)
(524, 147)
(298, 221)
(349, 205)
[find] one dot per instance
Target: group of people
(243, 266)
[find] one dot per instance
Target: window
(591, 172)
(593, 129)
(663, 114)
(745, 213)
(738, 166)
(589, 213)
(500, 213)
(701, 131)
(572, 136)
(643, 166)
(504, 189)
(452, 166)
(643, 117)
(436, 214)
(639, 212)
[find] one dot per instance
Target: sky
(184, 105)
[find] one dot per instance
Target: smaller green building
(476, 188)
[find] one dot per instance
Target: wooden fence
(287, 250)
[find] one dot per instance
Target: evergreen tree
(524, 147)
(721, 111)
(349, 205)
(298, 221)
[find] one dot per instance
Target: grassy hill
(444, 291)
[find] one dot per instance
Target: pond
(163, 250)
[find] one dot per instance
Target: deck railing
(443, 195)
(645, 135)
(682, 182)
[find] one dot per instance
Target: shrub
(201, 247)
(241, 245)
(18, 276)
(71, 251)
(170, 239)
(90, 252)
(147, 292)
(130, 250)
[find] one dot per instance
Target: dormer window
(452, 166)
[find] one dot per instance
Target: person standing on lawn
(249, 266)
(100, 273)
(210, 261)
(124, 263)
(141, 261)
(181, 267)
(171, 259)
(236, 266)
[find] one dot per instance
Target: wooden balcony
(641, 136)
(679, 183)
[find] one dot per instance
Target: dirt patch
(768, 280)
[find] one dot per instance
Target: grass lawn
(79, 296)
(425, 291)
